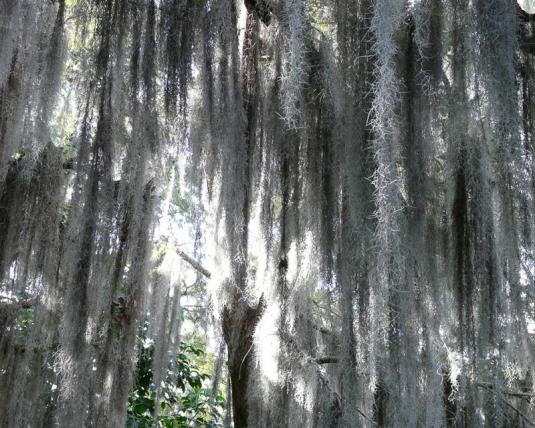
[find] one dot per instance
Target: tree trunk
(240, 318)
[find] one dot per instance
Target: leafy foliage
(186, 400)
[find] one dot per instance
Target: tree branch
(9, 301)
(194, 263)
(326, 360)
(490, 387)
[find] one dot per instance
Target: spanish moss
(267, 213)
